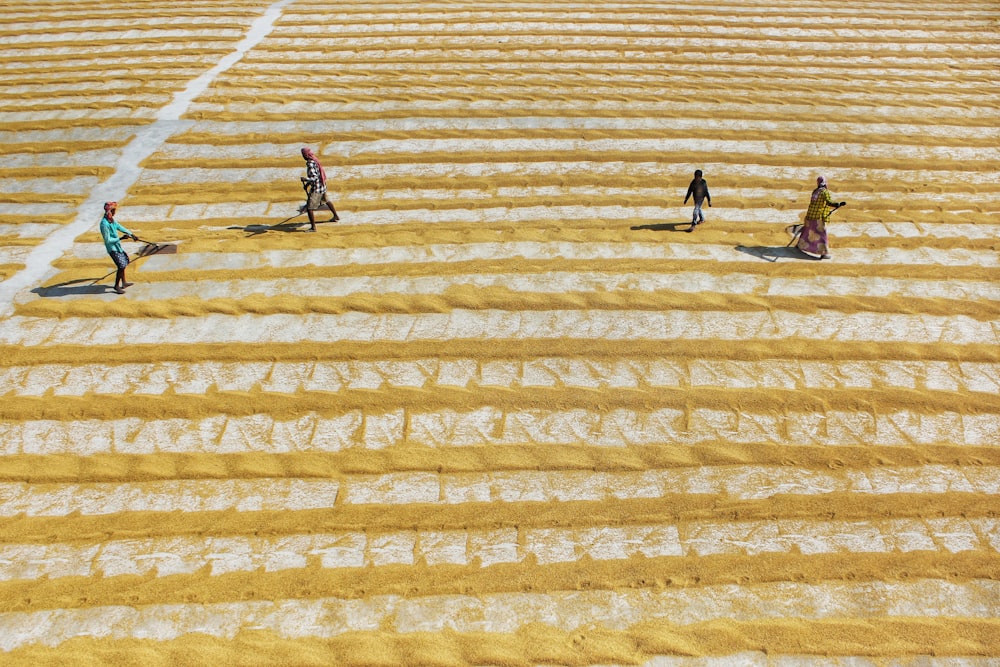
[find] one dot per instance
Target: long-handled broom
(796, 230)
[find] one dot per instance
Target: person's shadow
(74, 287)
(286, 226)
(772, 253)
(665, 227)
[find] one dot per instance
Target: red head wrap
(309, 155)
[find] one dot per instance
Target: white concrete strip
(520, 25)
(48, 186)
(151, 50)
(148, 140)
(744, 483)
(59, 136)
(802, 177)
(639, 81)
(640, 31)
(312, 108)
(85, 100)
(498, 211)
(111, 62)
(709, 39)
(146, 33)
(98, 23)
(507, 612)
(977, 232)
(14, 254)
(499, 325)
(72, 93)
(182, 555)
(888, 18)
(39, 209)
(491, 85)
(197, 378)
(28, 230)
(446, 253)
(61, 158)
(729, 11)
(760, 659)
(17, 499)
(833, 68)
(489, 426)
(416, 124)
(388, 147)
(95, 115)
(161, 557)
(553, 283)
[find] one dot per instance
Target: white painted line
(148, 139)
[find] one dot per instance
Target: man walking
(314, 183)
(699, 190)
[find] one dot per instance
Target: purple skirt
(813, 238)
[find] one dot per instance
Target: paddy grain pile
(508, 410)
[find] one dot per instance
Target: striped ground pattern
(508, 410)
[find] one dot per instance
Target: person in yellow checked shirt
(812, 239)
(109, 232)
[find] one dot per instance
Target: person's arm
(689, 192)
(708, 196)
(829, 200)
(120, 228)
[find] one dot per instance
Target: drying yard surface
(507, 411)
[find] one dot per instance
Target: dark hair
(697, 172)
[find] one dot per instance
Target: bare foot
(119, 290)
(124, 285)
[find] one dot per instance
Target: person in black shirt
(699, 190)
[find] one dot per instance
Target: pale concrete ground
(488, 426)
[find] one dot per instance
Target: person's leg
(121, 261)
(329, 205)
(312, 219)
(696, 214)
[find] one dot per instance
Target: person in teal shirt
(110, 229)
